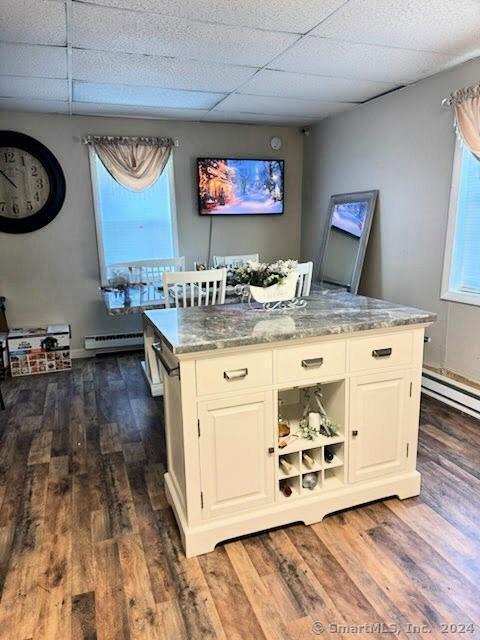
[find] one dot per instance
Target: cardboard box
(39, 350)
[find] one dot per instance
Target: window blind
(136, 225)
(465, 273)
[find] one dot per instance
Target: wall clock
(32, 184)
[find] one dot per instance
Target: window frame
(98, 213)
(447, 293)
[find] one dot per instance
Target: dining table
(137, 299)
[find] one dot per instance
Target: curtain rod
(148, 140)
(457, 97)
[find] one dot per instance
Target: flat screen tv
(239, 187)
(350, 217)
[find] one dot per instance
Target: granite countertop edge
(316, 331)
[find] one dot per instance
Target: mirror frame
(340, 198)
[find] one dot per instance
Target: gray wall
(403, 145)
(52, 275)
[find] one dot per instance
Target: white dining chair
(149, 272)
(304, 282)
(230, 262)
(194, 288)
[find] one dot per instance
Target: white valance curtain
(466, 105)
(135, 163)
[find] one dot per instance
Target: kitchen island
(231, 371)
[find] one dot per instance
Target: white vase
(276, 292)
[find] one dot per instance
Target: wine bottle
(328, 454)
(286, 489)
(285, 465)
(310, 481)
(307, 460)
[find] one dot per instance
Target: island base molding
(203, 538)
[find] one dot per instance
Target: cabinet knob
(355, 432)
(271, 450)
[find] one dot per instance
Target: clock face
(276, 143)
(24, 183)
(32, 184)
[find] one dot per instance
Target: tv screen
(237, 187)
(350, 217)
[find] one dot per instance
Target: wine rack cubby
(302, 456)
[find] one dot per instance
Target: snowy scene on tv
(350, 217)
(239, 187)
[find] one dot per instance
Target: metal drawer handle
(382, 353)
(157, 347)
(235, 374)
(312, 363)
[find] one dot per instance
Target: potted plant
(269, 282)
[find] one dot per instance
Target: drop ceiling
(279, 61)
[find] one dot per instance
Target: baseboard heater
(114, 341)
(458, 395)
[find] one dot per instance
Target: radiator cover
(114, 341)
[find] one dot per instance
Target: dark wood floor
(89, 547)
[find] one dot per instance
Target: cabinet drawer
(378, 352)
(310, 362)
(234, 373)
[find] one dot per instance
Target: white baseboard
(455, 394)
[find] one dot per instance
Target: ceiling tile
(445, 26)
(33, 106)
(280, 106)
(88, 108)
(35, 60)
(33, 22)
(326, 57)
(115, 30)
(168, 73)
(274, 15)
(143, 96)
(296, 85)
(36, 88)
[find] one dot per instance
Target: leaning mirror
(345, 240)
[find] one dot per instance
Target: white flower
(283, 267)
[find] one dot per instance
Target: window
(132, 225)
(461, 275)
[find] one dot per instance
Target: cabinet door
(237, 471)
(379, 424)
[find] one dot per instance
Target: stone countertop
(327, 313)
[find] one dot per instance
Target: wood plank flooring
(89, 548)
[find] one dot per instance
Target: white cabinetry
(379, 419)
(225, 478)
(236, 467)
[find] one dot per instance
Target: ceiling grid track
(267, 65)
(69, 27)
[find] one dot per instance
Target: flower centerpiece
(268, 282)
